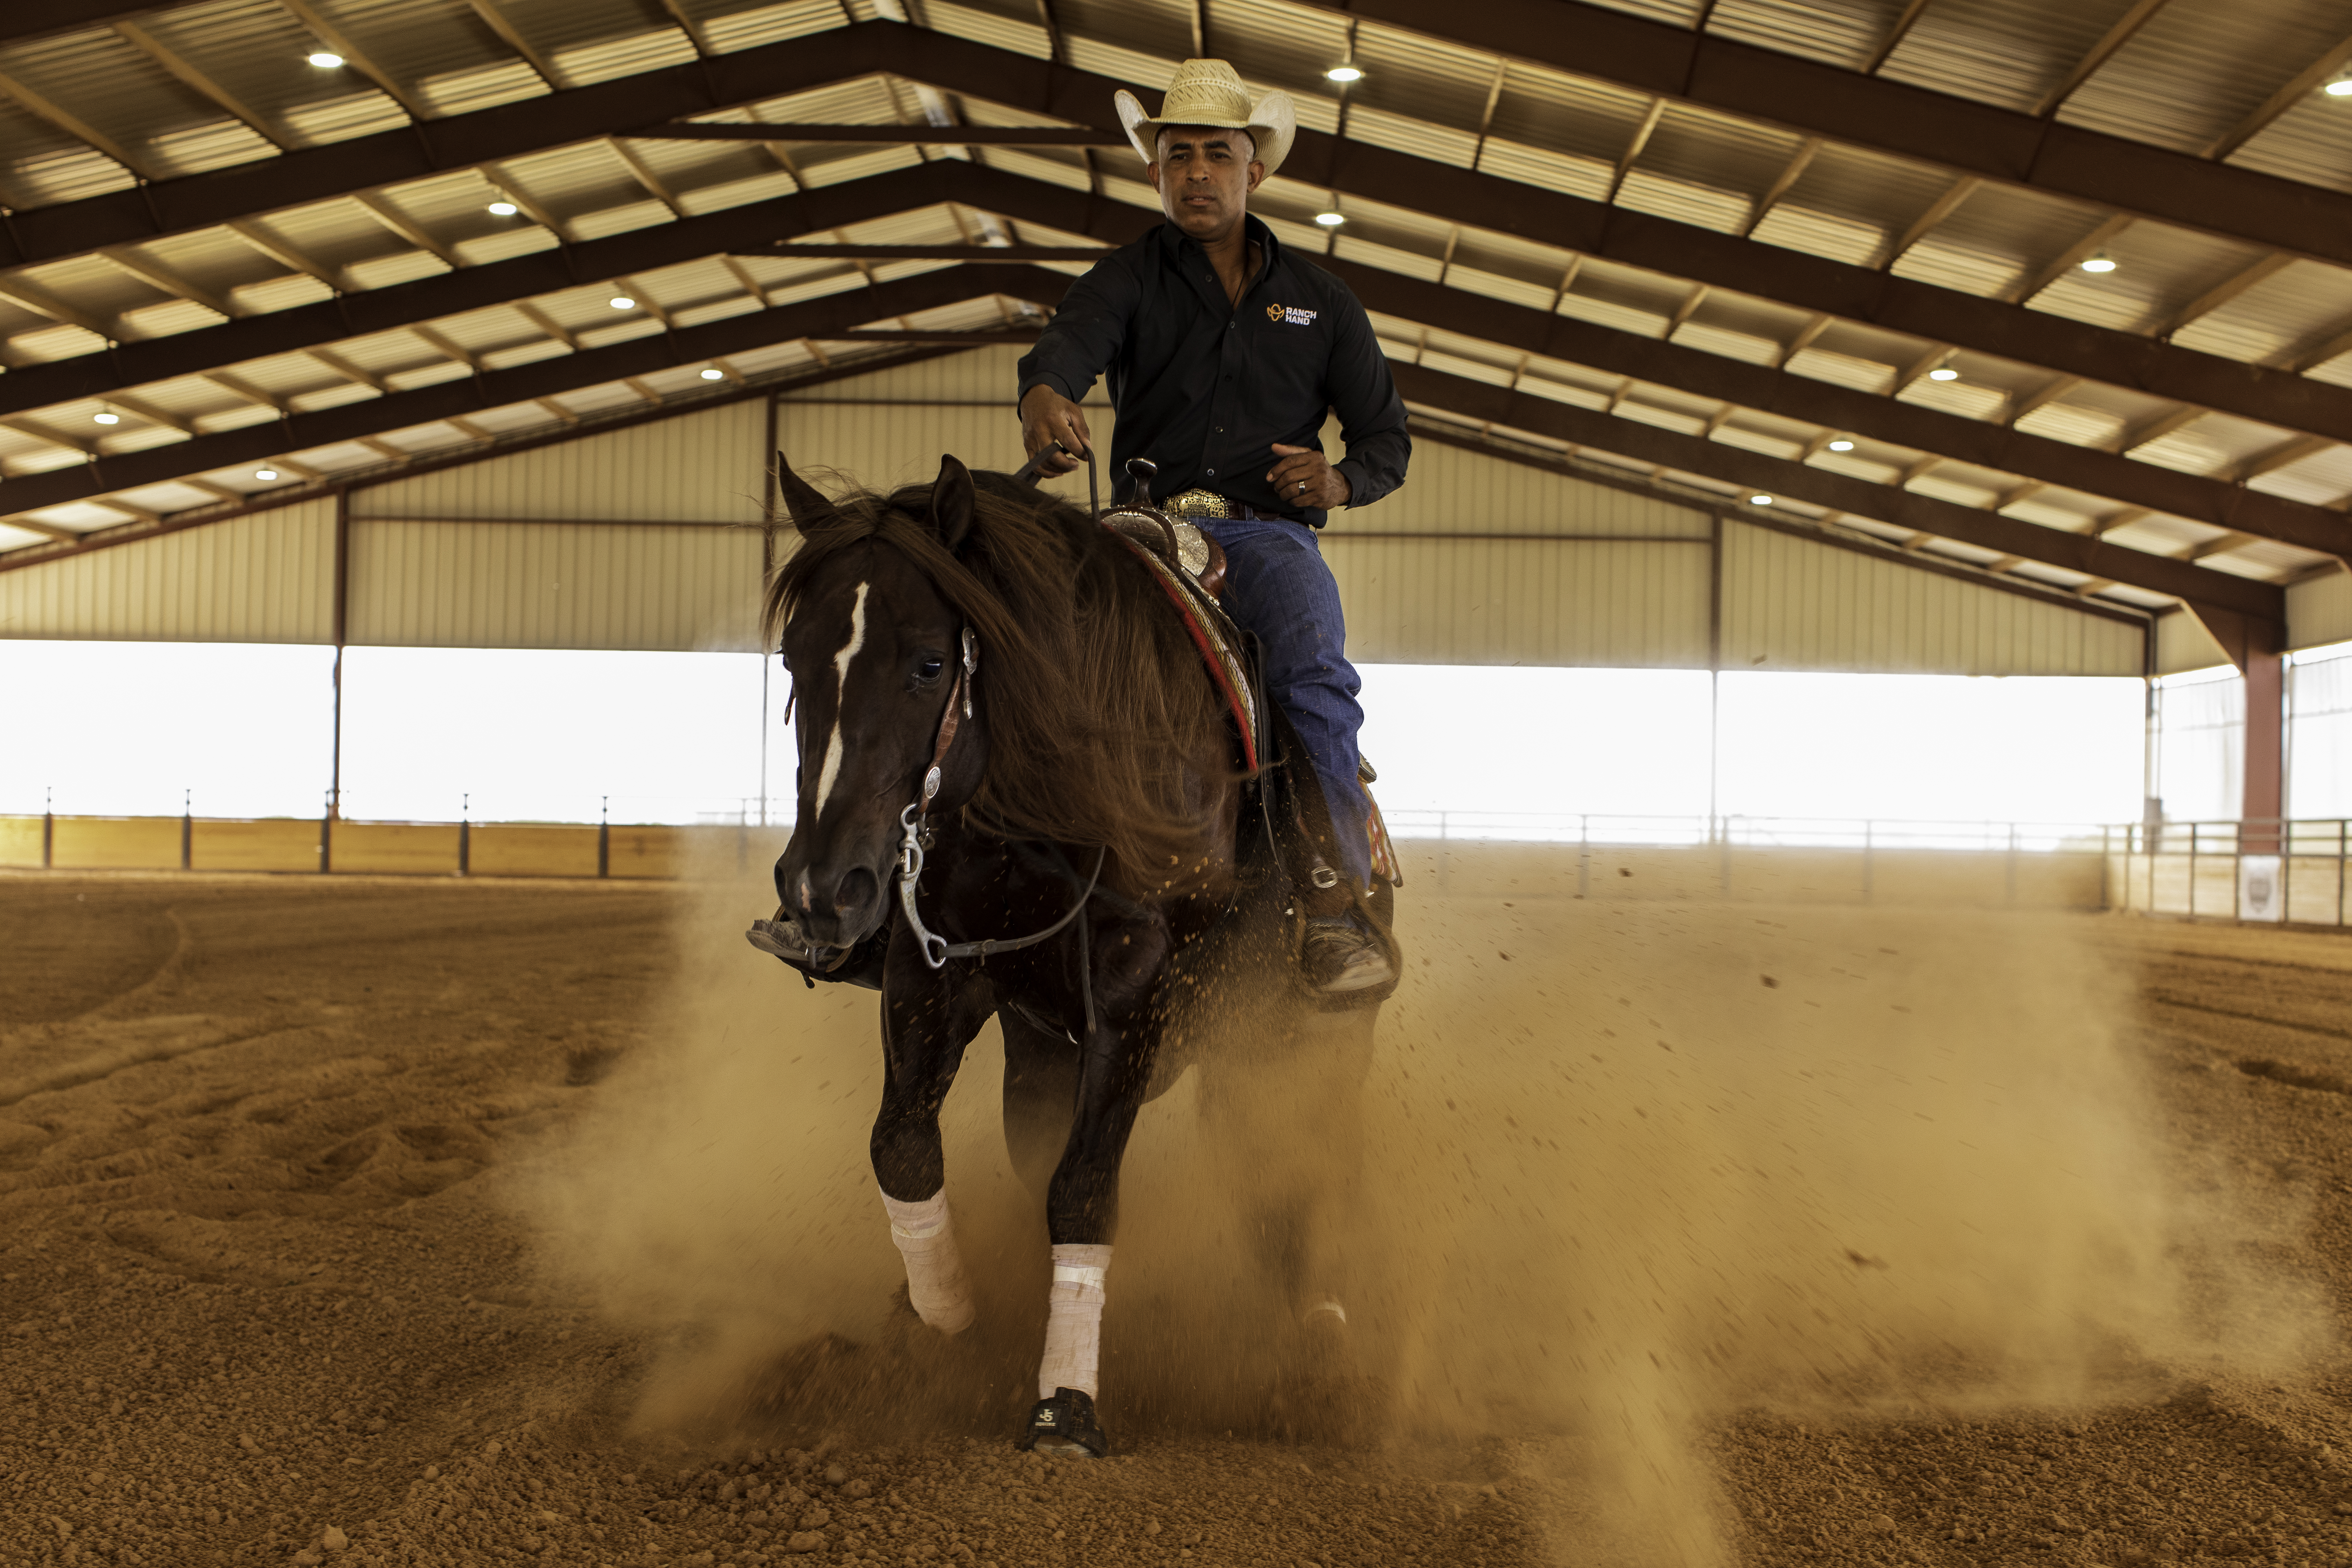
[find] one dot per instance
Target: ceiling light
(1344, 74)
(265, 473)
(106, 417)
(622, 303)
(1944, 372)
(2102, 262)
(1841, 444)
(714, 374)
(326, 61)
(504, 209)
(1330, 220)
(2341, 88)
(1759, 500)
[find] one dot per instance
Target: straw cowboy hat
(1210, 92)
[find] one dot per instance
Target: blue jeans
(1277, 586)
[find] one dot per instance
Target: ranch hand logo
(1289, 315)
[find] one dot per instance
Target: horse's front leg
(1082, 1199)
(928, 1019)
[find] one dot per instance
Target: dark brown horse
(1019, 796)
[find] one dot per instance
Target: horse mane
(1090, 691)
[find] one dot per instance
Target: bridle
(914, 823)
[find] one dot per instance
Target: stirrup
(1365, 967)
(1066, 1427)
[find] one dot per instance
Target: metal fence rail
(2261, 868)
(1746, 832)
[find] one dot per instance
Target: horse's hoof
(1066, 1427)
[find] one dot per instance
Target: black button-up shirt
(1205, 389)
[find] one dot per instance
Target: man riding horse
(1223, 352)
(991, 684)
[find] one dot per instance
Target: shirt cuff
(1048, 378)
(1359, 485)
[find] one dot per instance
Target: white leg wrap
(935, 1277)
(1074, 1320)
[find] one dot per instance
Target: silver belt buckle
(1197, 503)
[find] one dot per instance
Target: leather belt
(1208, 504)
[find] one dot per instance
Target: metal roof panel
(2199, 67)
(2011, 53)
(1834, 32)
(2279, 319)
(2312, 142)
(1572, 116)
(1016, 28)
(433, 47)
(1280, 45)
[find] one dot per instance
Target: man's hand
(1304, 480)
(1047, 417)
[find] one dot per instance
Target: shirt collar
(1173, 239)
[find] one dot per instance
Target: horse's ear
(802, 498)
(951, 504)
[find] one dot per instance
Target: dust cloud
(1632, 1169)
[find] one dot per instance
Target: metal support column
(1714, 669)
(767, 571)
(2195, 832)
(2264, 801)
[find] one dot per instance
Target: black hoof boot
(1066, 1427)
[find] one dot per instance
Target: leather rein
(914, 821)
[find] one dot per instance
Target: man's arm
(1075, 348)
(1372, 415)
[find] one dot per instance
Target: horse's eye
(930, 666)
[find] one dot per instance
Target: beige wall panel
(1792, 603)
(20, 840)
(890, 428)
(2183, 643)
(2320, 612)
(1427, 601)
(884, 446)
(651, 851)
(698, 468)
(268, 577)
(988, 375)
(116, 843)
(508, 849)
(549, 584)
(1621, 874)
(1449, 489)
(417, 848)
(274, 845)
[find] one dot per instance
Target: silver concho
(1192, 548)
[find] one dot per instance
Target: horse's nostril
(857, 888)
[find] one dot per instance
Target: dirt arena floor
(381, 1222)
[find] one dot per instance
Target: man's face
(1204, 177)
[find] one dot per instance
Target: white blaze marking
(832, 768)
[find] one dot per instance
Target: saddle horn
(1141, 472)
